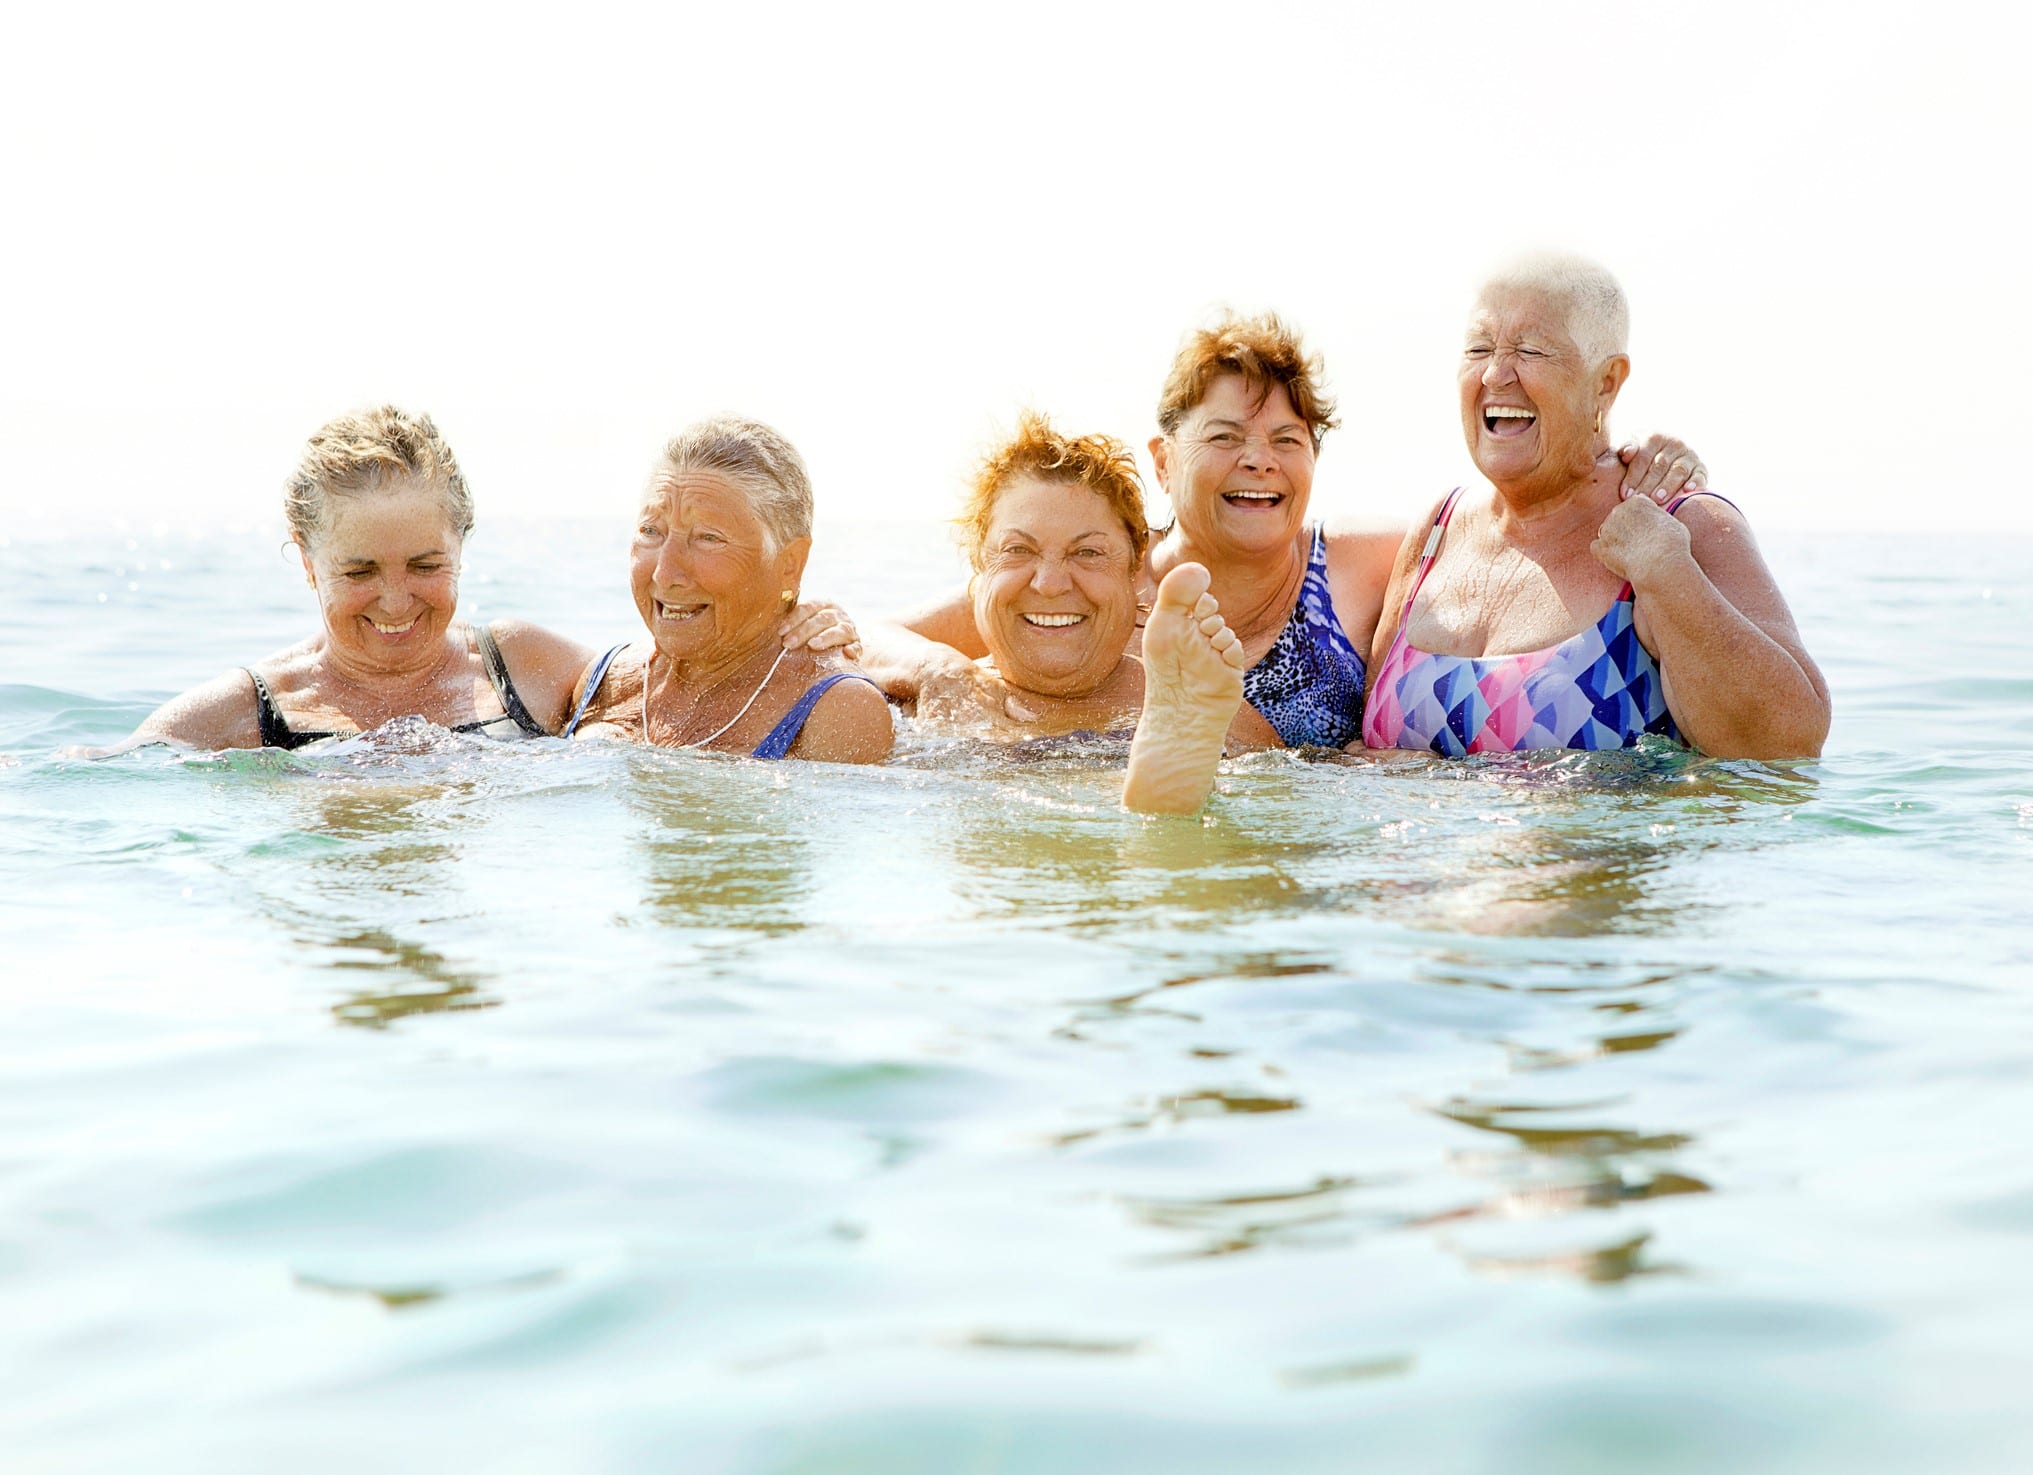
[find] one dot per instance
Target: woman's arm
(1736, 676)
(850, 724)
(545, 668)
(220, 714)
(927, 657)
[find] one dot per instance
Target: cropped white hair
(1598, 314)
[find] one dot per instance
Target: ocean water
(544, 1108)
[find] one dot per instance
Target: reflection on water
(423, 981)
(1320, 1214)
(1168, 1111)
(1607, 1265)
(718, 849)
(1565, 1167)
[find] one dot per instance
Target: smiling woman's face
(1055, 600)
(386, 570)
(706, 581)
(1239, 474)
(1531, 403)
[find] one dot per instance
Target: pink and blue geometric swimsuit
(1598, 689)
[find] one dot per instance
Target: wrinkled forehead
(1054, 507)
(1508, 310)
(696, 489)
(1231, 396)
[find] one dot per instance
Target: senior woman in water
(1055, 532)
(1694, 640)
(721, 539)
(379, 514)
(1496, 644)
(1241, 420)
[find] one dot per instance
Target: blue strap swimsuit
(781, 737)
(1309, 684)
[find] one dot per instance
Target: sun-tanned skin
(385, 569)
(1255, 552)
(709, 581)
(1552, 535)
(1195, 686)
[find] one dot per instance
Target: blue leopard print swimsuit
(1309, 683)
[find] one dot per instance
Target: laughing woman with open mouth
(721, 537)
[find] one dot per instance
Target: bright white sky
(886, 229)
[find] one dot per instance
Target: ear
(791, 562)
(310, 574)
(1160, 451)
(1615, 370)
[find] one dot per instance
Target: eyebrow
(365, 560)
(1244, 424)
(1034, 538)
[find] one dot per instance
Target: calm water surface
(543, 1108)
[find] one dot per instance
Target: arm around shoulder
(850, 724)
(545, 667)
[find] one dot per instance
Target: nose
(1052, 575)
(670, 562)
(1501, 369)
(1257, 454)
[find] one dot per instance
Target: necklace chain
(730, 721)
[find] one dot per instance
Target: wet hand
(1641, 541)
(1662, 468)
(819, 624)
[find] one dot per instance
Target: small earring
(790, 598)
(1598, 422)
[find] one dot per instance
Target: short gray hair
(757, 459)
(373, 450)
(1598, 313)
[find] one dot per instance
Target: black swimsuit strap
(275, 732)
(497, 673)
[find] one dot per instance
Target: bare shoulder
(1719, 536)
(1404, 562)
(545, 667)
(619, 691)
(850, 724)
(220, 714)
(521, 641)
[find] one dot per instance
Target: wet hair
(1266, 351)
(1597, 312)
(1099, 463)
(757, 459)
(371, 451)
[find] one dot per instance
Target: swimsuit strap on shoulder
(593, 679)
(785, 733)
(504, 688)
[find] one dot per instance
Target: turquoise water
(543, 1108)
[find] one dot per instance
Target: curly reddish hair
(1099, 463)
(1266, 351)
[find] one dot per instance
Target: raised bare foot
(1192, 688)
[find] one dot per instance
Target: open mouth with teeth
(1505, 420)
(678, 613)
(1252, 499)
(1052, 622)
(393, 630)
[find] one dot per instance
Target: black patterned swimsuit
(1309, 683)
